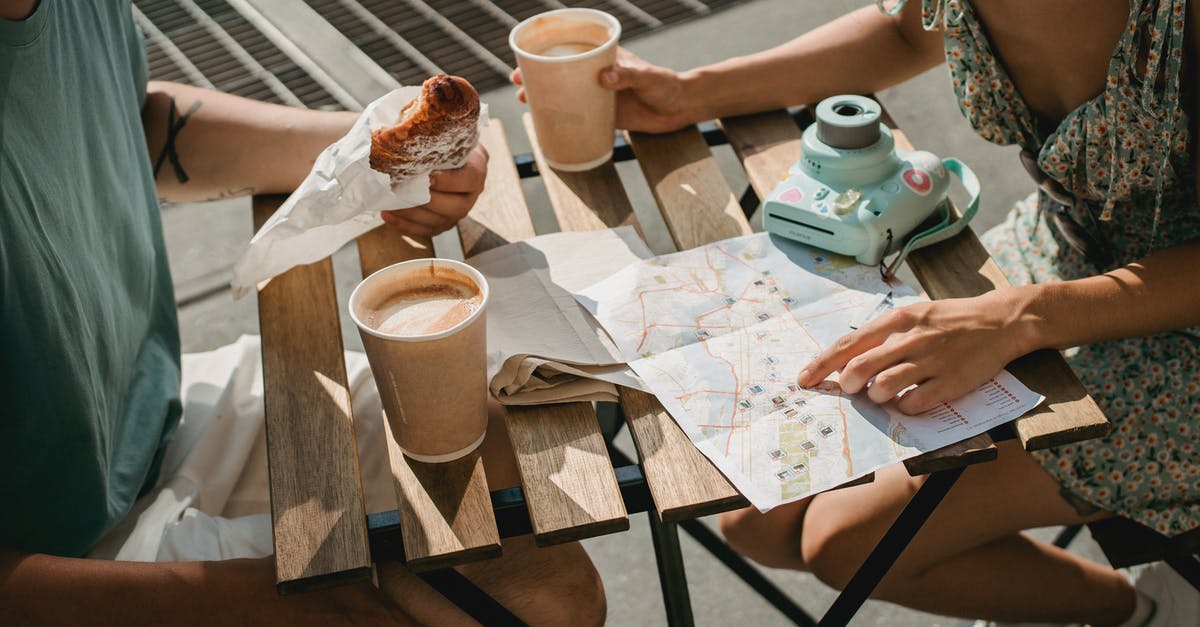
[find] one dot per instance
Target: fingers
(417, 221)
(838, 354)
(629, 72)
(468, 179)
(452, 193)
(863, 367)
(927, 396)
(854, 344)
(515, 77)
(893, 381)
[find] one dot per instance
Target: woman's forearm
(232, 146)
(861, 52)
(1157, 294)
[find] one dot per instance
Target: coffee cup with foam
(561, 54)
(423, 327)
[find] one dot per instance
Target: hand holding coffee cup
(423, 328)
(649, 98)
(561, 54)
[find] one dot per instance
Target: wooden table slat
(682, 481)
(500, 215)
(462, 530)
(320, 532)
(566, 474)
(446, 515)
(695, 200)
(960, 267)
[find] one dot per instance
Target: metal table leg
(747, 572)
(890, 546)
(670, 571)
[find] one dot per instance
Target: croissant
(435, 131)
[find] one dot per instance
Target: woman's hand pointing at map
(945, 348)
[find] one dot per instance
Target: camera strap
(945, 228)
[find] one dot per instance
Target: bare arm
(16, 10)
(1157, 294)
(232, 146)
(861, 52)
(226, 146)
(49, 590)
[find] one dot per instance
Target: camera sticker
(927, 162)
(917, 180)
(791, 195)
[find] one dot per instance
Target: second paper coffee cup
(561, 54)
(423, 327)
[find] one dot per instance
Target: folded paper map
(542, 346)
(719, 333)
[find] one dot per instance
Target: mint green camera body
(854, 193)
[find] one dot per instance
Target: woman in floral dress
(1104, 259)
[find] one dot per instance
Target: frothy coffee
(562, 36)
(567, 49)
(421, 303)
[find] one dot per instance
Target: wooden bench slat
(958, 267)
(320, 532)
(446, 515)
(682, 481)
(768, 144)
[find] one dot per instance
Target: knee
(771, 543)
(570, 593)
(833, 551)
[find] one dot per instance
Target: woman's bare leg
(970, 559)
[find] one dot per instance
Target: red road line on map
(727, 254)
(689, 326)
(845, 437)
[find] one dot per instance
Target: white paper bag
(339, 200)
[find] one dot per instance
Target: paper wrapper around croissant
(339, 200)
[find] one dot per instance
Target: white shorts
(212, 501)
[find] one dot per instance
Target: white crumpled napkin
(543, 347)
(339, 200)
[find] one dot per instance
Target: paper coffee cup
(433, 385)
(561, 54)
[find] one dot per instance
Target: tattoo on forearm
(232, 193)
(168, 149)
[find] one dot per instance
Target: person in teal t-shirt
(89, 341)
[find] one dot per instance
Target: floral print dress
(1117, 171)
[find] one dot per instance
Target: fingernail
(610, 77)
(387, 217)
(802, 378)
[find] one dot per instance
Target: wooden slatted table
(446, 514)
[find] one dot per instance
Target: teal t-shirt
(89, 341)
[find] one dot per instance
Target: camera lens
(848, 122)
(848, 110)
